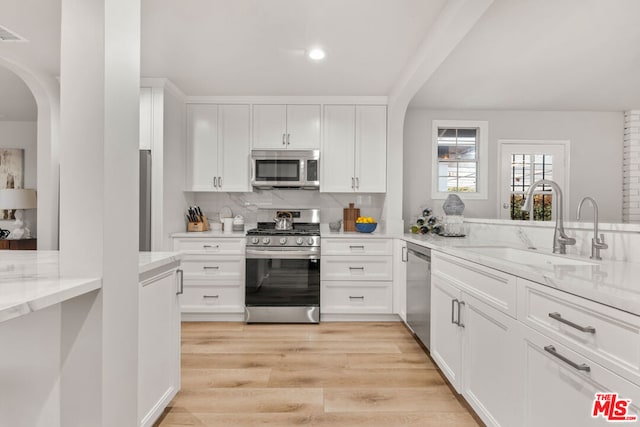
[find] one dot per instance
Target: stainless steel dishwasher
(419, 292)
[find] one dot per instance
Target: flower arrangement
(427, 223)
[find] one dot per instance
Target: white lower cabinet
(356, 276)
(558, 390)
(158, 345)
(214, 271)
(538, 364)
(476, 347)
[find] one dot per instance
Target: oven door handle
(270, 254)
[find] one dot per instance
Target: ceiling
(256, 47)
(524, 54)
(543, 55)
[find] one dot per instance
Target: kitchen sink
(526, 257)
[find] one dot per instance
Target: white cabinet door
(491, 363)
(146, 118)
(558, 394)
(233, 150)
(338, 149)
(158, 346)
(371, 149)
(269, 127)
(303, 127)
(446, 336)
(202, 146)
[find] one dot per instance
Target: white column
(99, 112)
(631, 167)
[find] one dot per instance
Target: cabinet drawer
(353, 298)
(204, 298)
(362, 246)
(559, 394)
(207, 245)
(491, 286)
(356, 268)
(612, 337)
(213, 268)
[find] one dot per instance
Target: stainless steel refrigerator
(145, 200)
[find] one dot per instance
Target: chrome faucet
(597, 243)
(560, 238)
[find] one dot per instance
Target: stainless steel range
(283, 267)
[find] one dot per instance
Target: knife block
(349, 217)
(198, 226)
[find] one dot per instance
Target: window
(522, 164)
(460, 159)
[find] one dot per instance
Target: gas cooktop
(298, 229)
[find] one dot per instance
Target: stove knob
(310, 241)
(299, 241)
(255, 240)
(283, 240)
(266, 240)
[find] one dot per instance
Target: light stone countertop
(30, 280)
(613, 283)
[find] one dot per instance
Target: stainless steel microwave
(285, 169)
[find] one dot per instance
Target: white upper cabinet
(371, 149)
(338, 149)
(280, 127)
(218, 136)
(354, 150)
(233, 148)
(146, 118)
(303, 127)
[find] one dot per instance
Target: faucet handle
(600, 242)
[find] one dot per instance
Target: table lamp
(18, 199)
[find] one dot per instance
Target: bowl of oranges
(366, 224)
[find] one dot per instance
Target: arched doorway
(46, 92)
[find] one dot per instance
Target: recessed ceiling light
(317, 54)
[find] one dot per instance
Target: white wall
(596, 156)
(175, 199)
(23, 135)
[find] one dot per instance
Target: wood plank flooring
(331, 374)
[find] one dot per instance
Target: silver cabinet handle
(211, 296)
(552, 350)
(453, 303)
(353, 185)
(459, 323)
(356, 268)
(288, 138)
(210, 246)
(352, 297)
(357, 182)
(405, 254)
(356, 247)
(284, 139)
(220, 181)
(181, 283)
(559, 318)
(213, 267)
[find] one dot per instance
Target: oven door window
(278, 170)
(283, 282)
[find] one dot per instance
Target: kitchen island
(35, 334)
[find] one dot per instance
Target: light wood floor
(331, 374)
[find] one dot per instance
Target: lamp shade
(17, 198)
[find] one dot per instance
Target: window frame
(482, 158)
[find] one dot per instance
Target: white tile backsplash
(623, 239)
(330, 204)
